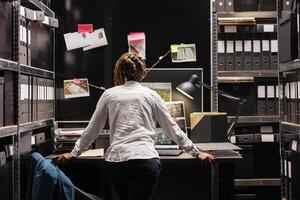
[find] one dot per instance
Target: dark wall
(164, 23)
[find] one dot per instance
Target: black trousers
(135, 179)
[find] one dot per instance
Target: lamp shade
(189, 88)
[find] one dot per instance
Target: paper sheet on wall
(76, 40)
(96, 39)
(137, 44)
(183, 53)
(76, 88)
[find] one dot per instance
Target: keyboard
(169, 152)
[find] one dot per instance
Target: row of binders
(290, 104)
(267, 100)
(290, 175)
(36, 99)
(248, 52)
(249, 5)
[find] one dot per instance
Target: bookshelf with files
(289, 79)
(245, 64)
(27, 75)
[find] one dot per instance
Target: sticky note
(85, 28)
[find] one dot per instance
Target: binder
(23, 41)
(229, 54)
(239, 55)
(266, 56)
(242, 5)
(40, 99)
(50, 98)
(287, 109)
(248, 64)
(221, 55)
(1, 102)
(277, 100)
(29, 44)
(293, 102)
(24, 99)
(9, 100)
(30, 90)
(298, 100)
(274, 55)
(34, 99)
(261, 100)
(270, 100)
(267, 5)
(220, 4)
(229, 6)
(257, 54)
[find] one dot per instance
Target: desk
(182, 177)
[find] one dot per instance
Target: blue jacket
(47, 181)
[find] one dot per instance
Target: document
(137, 44)
(76, 40)
(96, 39)
(93, 153)
(183, 53)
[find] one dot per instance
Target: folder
(23, 42)
(24, 99)
(270, 100)
(220, 4)
(1, 101)
(30, 89)
(277, 100)
(29, 43)
(287, 109)
(293, 101)
(266, 56)
(274, 55)
(229, 6)
(257, 54)
(248, 64)
(229, 55)
(40, 98)
(34, 99)
(221, 55)
(261, 100)
(9, 100)
(239, 61)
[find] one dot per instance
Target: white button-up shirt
(133, 111)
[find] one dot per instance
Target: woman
(133, 111)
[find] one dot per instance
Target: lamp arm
(220, 92)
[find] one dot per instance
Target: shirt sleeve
(96, 124)
(171, 128)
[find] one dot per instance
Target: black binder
(270, 100)
(266, 55)
(274, 54)
(257, 55)
(6, 30)
(248, 63)
(239, 61)
(287, 116)
(23, 42)
(229, 53)
(245, 5)
(24, 99)
(9, 100)
(29, 43)
(229, 6)
(261, 100)
(267, 5)
(1, 101)
(220, 5)
(221, 55)
(34, 99)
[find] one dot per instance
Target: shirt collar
(132, 83)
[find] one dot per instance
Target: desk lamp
(189, 88)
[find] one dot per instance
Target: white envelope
(77, 40)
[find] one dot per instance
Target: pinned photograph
(163, 89)
(76, 88)
(76, 40)
(183, 53)
(137, 44)
(96, 39)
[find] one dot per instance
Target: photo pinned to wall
(76, 88)
(85, 40)
(137, 44)
(163, 89)
(183, 53)
(177, 111)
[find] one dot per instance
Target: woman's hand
(205, 156)
(63, 158)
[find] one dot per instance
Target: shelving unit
(262, 73)
(255, 119)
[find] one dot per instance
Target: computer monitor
(175, 76)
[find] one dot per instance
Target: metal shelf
(37, 5)
(263, 73)
(260, 16)
(290, 127)
(255, 119)
(288, 66)
(8, 65)
(12, 130)
(258, 182)
(8, 131)
(29, 70)
(25, 69)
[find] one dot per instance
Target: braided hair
(129, 67)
